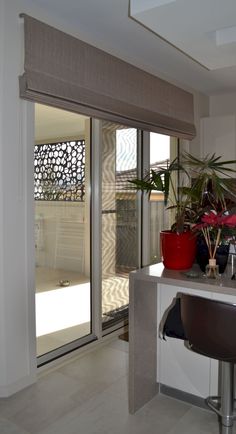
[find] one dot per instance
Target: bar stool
(210, 327)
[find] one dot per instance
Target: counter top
(154, 364)
(159, 274)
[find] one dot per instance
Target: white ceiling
(204, 29)
(187, 24)
(52, 124)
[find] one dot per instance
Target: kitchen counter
(168, 366)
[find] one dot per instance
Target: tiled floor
(89, 395)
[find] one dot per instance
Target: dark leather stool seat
(210, 328)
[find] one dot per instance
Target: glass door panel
(62, 222)
(163, 149)
(120, 250)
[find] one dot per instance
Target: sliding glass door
(120, 221)
(62, 229)
(163, 149)
(66, 223)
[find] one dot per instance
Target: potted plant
(218, 230)
(209, 186)
(213, 192)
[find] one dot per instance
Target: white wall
(17, 322)
(201, 109)
(218, 131)
(17, 328)
(223, 104)
(218, 135)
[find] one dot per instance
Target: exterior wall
(60, 235)
(17, 320)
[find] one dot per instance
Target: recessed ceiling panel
(141, 5)
(204, 30)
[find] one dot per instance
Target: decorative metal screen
(59, 171)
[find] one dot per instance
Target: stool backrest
(210, 326)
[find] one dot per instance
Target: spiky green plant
(212, 180)
(210, 185)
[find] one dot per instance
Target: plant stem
(217, 241)
(206, 234)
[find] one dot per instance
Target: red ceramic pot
(178, 250)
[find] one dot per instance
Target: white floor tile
(96, 416)
(89, 395)
(197, 421)
(8, 427)
(41, 404)
(119, 344)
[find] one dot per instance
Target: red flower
(228, 220)
(216, 220)
(212, 228)
(211, 219)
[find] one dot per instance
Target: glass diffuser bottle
(212, 269)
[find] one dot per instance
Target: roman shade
(63, 71)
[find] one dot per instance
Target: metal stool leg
(224, 405)
(226, 429)
(227, 397)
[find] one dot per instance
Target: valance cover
(66, 72)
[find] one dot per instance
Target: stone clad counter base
(168, 366)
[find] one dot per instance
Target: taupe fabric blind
(64, 71)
